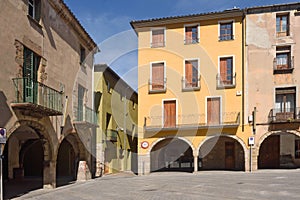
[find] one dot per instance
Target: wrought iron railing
(86, 114)
(158, 44)
(191, 84)
(286, 67)
(228, 82)
(29, 91)
(191, 41)
(193, 120)
(284, 115)
(157, 85)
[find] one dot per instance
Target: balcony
(86, 115)
(192, 122)
(281, 116)
(157, 86)
(229, 82)
(283, 68)
(191, 84)
(111, 135)
(35, 98)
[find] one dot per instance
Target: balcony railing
(191, 41)
(157, 86)
(158, 44)
(228, 82)
(192, 121)
(286, 68)
(37, 97)
(86, 114)
(191, 84)
(287, 115)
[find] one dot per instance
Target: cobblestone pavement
(265, 184)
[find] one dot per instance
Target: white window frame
(233, 70)
(282, 87)
(189, 25)
(221, 107)
(165, 74)
(162, 110)
(191, 59)
(165, 38)
(33, 8)
(233, 28)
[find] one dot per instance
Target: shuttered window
(34, 9)
(191, 74)
(226, 71)
(170, 113)
(158, 38)
(191, 35)
(157, 81)
(213, 110)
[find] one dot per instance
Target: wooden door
(213, 111)
(170, 113)
(269, 153)
(229, 155)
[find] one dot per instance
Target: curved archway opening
(221, 153)
(279, 151)
(67, 164)
(171, 154)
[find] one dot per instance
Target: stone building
(46, 93)
(272, 59)
(117, 105)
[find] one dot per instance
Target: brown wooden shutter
(169, 113)
(158, 76)
(188, 35)
(158, 38)
(213, 110)
(223, 70)
(188, 74)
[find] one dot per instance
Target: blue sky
(108, 23)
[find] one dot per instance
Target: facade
(117, 105)
(191, 112)
(272, 49)
(46, 93)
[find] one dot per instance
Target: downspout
(243, 71)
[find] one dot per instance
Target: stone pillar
(195, 154)
(144, 164)
(83, 171)
(49, 180)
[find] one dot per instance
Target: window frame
(284, 50)
(151, 36)
(297, 151)
(287, 32)
(232, 21)
(184, 88)
(82, 54)
(151, 78)
(36, 7)
(198, 33)
(219, 82)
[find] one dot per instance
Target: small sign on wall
(3, 135)
(251, 141)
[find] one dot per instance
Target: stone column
(195, 154)
(49, 180)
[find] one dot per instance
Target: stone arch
(232, 137)
(171, 154)
(276, 157)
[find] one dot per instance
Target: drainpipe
(243, 71)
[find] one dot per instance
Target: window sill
(283, 71)
(226, 40)
(157, 91)
(226, 86)
(34, 21)
(190, 89)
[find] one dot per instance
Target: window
(157, 81)
(158, 38)
(191, 78)
(169, 114)
(34, 9)
(82, 54)
(226, 76)
(297, 148)
(191, 34)
(282, 25)
(283, 60)
(213, 110)
(30, 74)
(285, 104)
(226, 31)
(81, 92)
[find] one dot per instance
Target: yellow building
(191, 93)
(116, 103)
